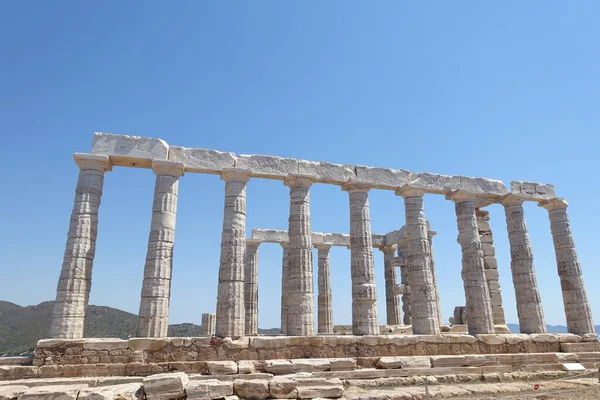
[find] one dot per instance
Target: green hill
(22, 327)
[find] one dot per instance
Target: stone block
(202, 160)
(325, 172)
(533, 190)
(267, 166)
(434, 183)
(283, 388)
(311, 364)
(483, 186)
(105, 344)
(336, 239)
(342, 364)
(222, 367)
(55, 392)
(20, 360)
(382, 178)
(168, 386)
(246, 367)
(114, 392)
(148, 343)
(404, 362)
(10, 392)
(572, 367)
(209, 389)
(270, 235)
(579, 347)
(130, 151)
(491, 338)
(311, 388)
(279, 367)
(251, 389)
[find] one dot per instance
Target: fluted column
(423, 299)
(284, 281)
(491, 265)
(479, 310)
(365, 320)
(527, 294)
(74, 284)
(324, 311)
(392, 304)
(430, 235)
(403, 252)
(251, 286)
(230, 298)
(577, 306)
(207, 328)
(299, 302)
(153, 319)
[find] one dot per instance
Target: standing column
(299, 302)
(364, 292)
(529, 302)
(430, 235)
(324, 311)
(479, 310)
(74, 284)
(153, 319)
(423, 299)
(251, 286)
(230, 297)
(392, 304)
(577, 307)
(491, 265)
(403, 252)
(208, 324)
(284, 278)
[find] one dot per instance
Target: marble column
(403, 252)
(284, 278)
(299, 302)
(577, 306)
(74, 284)
(423, 299)
(324, 311)
(392, 304)
(251, 286)
(479, 309)
(230, 298)
(491, 265)
(153, 319)
(209, 322)
(365, 320)
(430, 235)
(527, 295)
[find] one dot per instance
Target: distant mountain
(514, 328)
(22, 327)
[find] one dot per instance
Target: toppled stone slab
(168, 386)
(209, 389)
(202, 160)
(130, 151)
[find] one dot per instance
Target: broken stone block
(222, 367)
(310, 388)
(57, 392)
(251, 389)
(113, 392)
(209, 389)
(170, 386)
(283, 388)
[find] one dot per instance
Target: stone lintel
(168, 168)
(533, 191)
(98, 162)
(553, 204)
(130, 151)
(235, 175)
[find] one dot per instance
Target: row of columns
(297, 290)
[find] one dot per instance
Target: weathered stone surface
(202, 160)
(20, 360)
(222, 367)
(246, 367)
(270, 235)
(209, 389)
(434, 183)
(51, 393)
(310, 388)
(382, 178)
(310, 365)
(130, 151)
(114, 392)
(10, 392)
(148, 343)
(483, 186)
(404, 362)
(326, 172)
(279, 367)
(533, 190)
(169, 386)
(342, 364)
(267, 166)
(283, 388)
(251, 389)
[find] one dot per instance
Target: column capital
(511, 199)
(295, 180)
(431, 234)
(168, 168)
(253, 242)
(356, 186)
(285, 245)
(235, 175)
(387, 249)
(482, 214)
(323, 246)
(553, 204)
(408, 191)
(97, 162)
(461, 195)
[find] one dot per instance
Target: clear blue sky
(506, 90)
